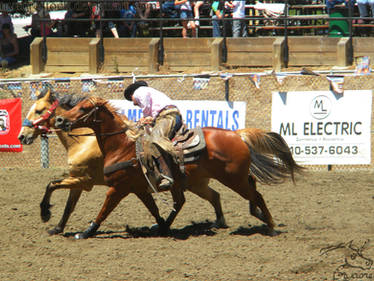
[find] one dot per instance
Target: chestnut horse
(85, 160)
(229, 164)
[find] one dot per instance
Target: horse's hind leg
(73, 198)
(247, 189)
(204, 191)
(259, 202)
(113, 197)
(178, 199)
(149, 202)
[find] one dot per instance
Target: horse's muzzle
(63, 124)
(25, 139)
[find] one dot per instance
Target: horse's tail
(271, 158)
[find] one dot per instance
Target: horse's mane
(133, 131)
(66, 101)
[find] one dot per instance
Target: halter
(85, 117)
(44, 117)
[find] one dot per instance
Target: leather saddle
(188, 144)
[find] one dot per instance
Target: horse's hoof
(271, 232)
(220, 223)
(90, 231)
(81, 235)
(54, 231)
(45, 215)
(163, 230)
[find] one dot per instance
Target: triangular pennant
(255, 79)
(336, 83)
(363, 65)
(200, 83)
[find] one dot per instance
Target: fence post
(44, 151)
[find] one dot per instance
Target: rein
(103, 134)
(85, 117)
(44, 117)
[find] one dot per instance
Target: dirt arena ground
(325, 210)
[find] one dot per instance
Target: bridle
(93, 112)
(36, 123)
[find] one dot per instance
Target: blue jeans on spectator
(331, 4)
(239, 28)
(216, 26)
(362, 8)
(10, 60)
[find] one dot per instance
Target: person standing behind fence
(9, 47)
(363, 8)
(5, 18)
(239, 25)
(127, 28)
(218, 15)
(185, 14)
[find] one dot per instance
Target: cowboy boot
(166, 177)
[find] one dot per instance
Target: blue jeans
(362, 7)
(239, 28)
(331, 4)
(216, 26)
(10, 60)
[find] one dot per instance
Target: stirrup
(166, 182)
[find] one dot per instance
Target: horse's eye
(82, 110)
(39, 111)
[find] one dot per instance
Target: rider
(167, 120)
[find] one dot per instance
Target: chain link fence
(232, 87)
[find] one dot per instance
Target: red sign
(10, 124)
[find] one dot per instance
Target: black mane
(66, 101)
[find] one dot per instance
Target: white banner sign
(220, 114)
(324, 128)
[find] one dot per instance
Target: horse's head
(87, 113)
(40, 117)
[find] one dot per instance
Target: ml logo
(320, 107)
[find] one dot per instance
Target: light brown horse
(229, 164)
(85, 160)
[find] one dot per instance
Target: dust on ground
(324, 210)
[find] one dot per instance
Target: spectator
(38, 26)
(220, 9)
(363, 9)
(330, 4)
(218, 15)
(77, 10)
(9, 48)
(5, 18)
(239, 26)
(185, 14)
(170, 10)
(196, 10)
(113, 12)
(95, 16)
(128, 28)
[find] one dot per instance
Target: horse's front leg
(179, 199)
(76, 186)
(149, 202)
(74, 195)
(113, 197)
